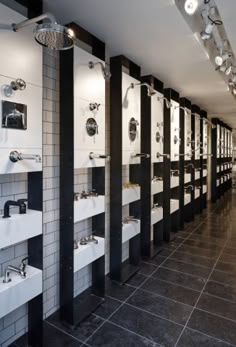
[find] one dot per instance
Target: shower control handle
(141, 155)
(93, 155)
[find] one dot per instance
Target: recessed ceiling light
(191, 6)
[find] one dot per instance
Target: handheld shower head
(106, 74)
(50, 35)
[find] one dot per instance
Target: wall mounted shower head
(105, 72)
(150, 90)
(50, 35)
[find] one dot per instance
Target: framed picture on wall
(14, 115)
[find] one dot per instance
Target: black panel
(214, 162)
(118, 272)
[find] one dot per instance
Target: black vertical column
(166, 169)
(117, 271)
(148, 249)
(214, 161)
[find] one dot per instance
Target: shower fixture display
(84, 195)
(51, 34)
(150, 90)
(157, 178)
(140, 155)
(19, 270)
(88, 240)
(129, 185)
(130, 219)
(94, 106)
(158, 137)
(16, 156)
(189, 142)
(14, 115)
(9, 89)
(159, 124)
(189, 187)
(93, 156)
(91, 127)
(176, 139)
(19, 203)
(133, 129)
(106, 74)
(163, 155)
(174, 172)
(167, 102)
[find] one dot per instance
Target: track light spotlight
(191, 6)
(221, 59)
(228, 70)
(234, 90)
(206, 34)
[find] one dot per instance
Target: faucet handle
(23, 264)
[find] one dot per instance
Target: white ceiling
(154, 35)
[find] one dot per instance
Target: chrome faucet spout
(16, 156)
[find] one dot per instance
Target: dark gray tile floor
(185, 297)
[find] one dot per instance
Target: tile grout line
(202, 291)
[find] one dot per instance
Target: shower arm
(21, 25)
(93, 155)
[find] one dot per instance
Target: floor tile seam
(203, 249)
(190, 263)
(164, 297)
(220, 297)
(196, 255)
(132, 332)
(227, 272)
(153, 314)
(202, 240)
(178, 285)
(215, 314)
(63, 331)
(220, 340)
(184, 273)
(197, 301)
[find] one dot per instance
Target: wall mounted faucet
(93, 155)
(189, 165)
(19, 270)
(16, 156)
(187, 187)
(20, 203)
(140, 155)
(160, 124)
(182, 155)
(130, 219)
(174, 172)
(163, 155)
(157, 178)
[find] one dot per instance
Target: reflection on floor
(184, 297)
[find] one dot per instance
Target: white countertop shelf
(187, 177)
(156, 187)
(156, 215)
(86, 254)
(174, 205)
(86, 208)
(19, 291)
(197, 193)
(20, 227)
(130, 230)
(130, 195)
(187, 199)
(174, 181)
(197, 175)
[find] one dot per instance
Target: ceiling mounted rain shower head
(50, 35)
(105, 72)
